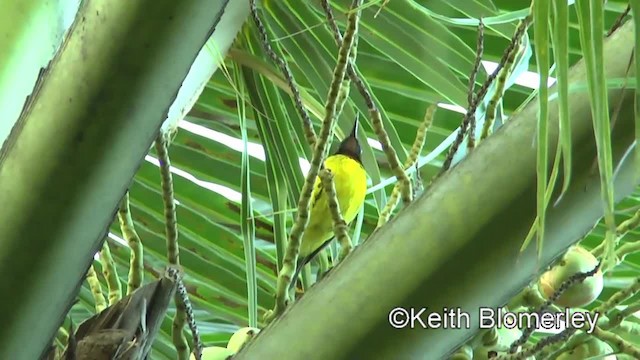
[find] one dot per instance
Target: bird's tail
(302, 261)
(299, 265)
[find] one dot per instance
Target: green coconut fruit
(215, 353)
(500, 341)
(464, 353)
(484, 352)
(241, 337)
(592, 348)
(576, 260)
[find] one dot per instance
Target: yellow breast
(350, 180)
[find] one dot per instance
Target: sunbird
(350, 181)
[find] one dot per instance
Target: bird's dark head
(350, 146)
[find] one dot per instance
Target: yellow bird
(350, 180)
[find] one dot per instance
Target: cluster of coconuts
(576, 260)
(237, 341)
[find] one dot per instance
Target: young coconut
(214, 353)
(590, 349)
(465, 352)
(241, 337)
(496, 342)
(576, 260)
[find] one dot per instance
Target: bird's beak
(354, 131)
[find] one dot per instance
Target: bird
(350, 180)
